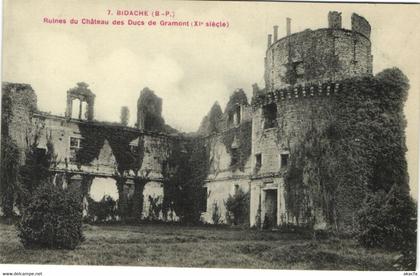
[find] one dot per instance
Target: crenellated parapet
(295, 92)
(333, 53)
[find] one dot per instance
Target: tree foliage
(215, 214)
(103, 210)
(36, 168)
(52, 219)
(9, 170)
(237, 208)
(353, 146)
(185, 174)
(388, 220)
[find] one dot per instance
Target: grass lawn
(169, 245)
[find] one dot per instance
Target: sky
(189, 68)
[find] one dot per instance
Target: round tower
(327, 54)
(303, 73)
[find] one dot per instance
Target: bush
(155, 208)
(52, 219)
(215, 215)
(104, 210)
(9, 187)
(237, 208)
(388, 220)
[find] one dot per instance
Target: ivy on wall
(238, 97)
(221, 124)
(119, 140)
(243, 135)
(6, 112)
(184, 177)
(211, 123)
(360, 150)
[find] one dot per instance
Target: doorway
(270, 204)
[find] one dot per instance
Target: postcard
(205, 134)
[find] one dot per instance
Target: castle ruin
(249, 145)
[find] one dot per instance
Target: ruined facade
(303, 72)
(249, 143)
(88, 152)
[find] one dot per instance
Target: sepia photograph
(209, 134)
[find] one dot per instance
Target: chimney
(288, 26)
(275, 32)
(334, 20)
(269, 41)
(255, 89)
(125, 115)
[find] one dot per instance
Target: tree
(52, 218)
(36, 168)
(237, 208)
(9, 175)
(51, 215)
(185, 173)
(388, 220)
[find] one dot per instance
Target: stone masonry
(248, 143)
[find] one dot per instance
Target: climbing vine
(360, 150)
(185, 173)
(119, 140)
(243, 135)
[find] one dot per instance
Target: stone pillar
(90, 108)
(266, 72)
(69, 106)
(255, 206)
(281, 204)
(122, 197)
(85, 190)
(138, 198)
(269, 41)
(334, 20)
(275, 33)
(80, 109)
(288, 26)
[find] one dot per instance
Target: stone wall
(360, 25)
(149, 111)
(156, 147)
(16, 122)
(328, 54)
(334, 20)
(229, 155)
(152, 194)
(297, 110)
(223, 177)
(218, 192)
